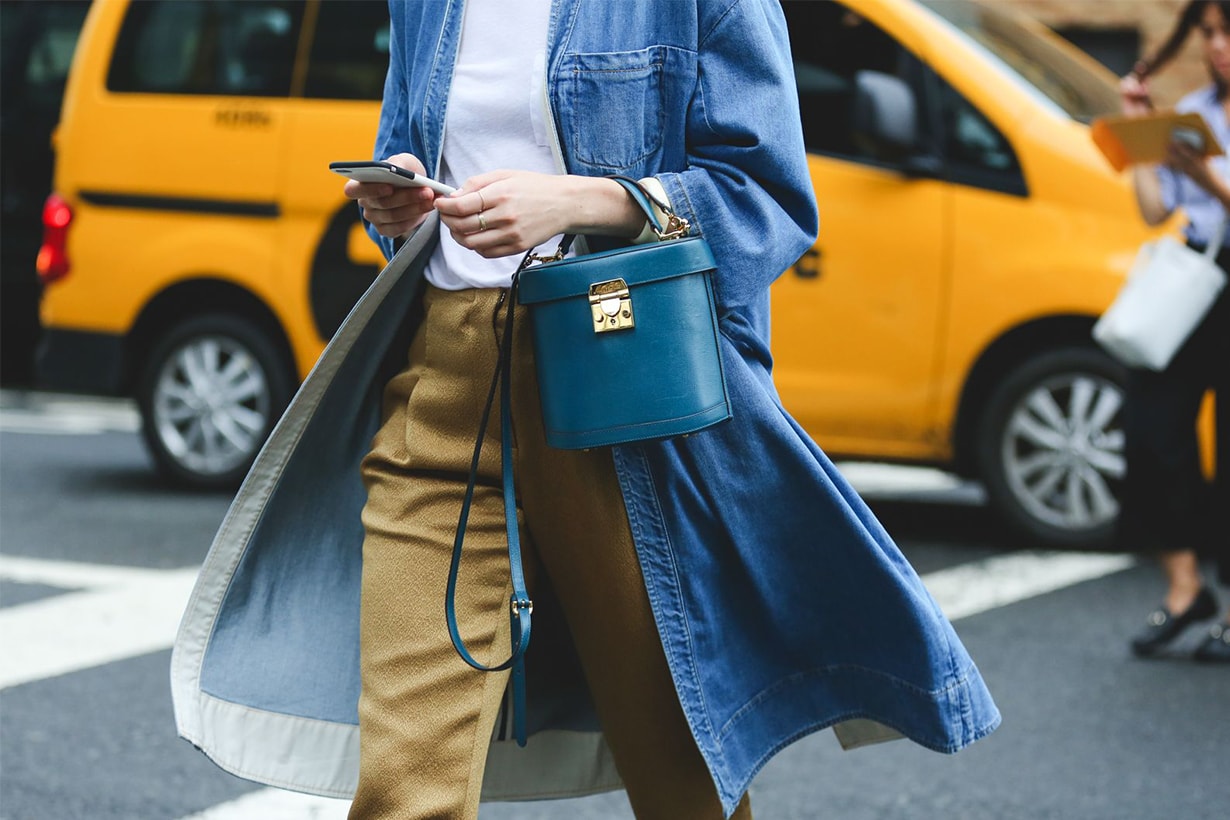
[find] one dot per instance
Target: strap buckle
(533, 258)
(676, 227)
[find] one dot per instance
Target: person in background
(1167, 505)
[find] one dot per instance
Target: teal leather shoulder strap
(520, 605)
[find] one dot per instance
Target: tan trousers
(425, 717)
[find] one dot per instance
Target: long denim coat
(782, 604)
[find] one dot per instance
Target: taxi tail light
(52, 261)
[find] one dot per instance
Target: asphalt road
(96, 555)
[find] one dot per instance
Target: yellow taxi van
(198, 254)
(970, 235)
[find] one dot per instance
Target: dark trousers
(1167, 503)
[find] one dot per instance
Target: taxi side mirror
(885, 114)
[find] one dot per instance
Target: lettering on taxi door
(808, 266)
(242, 118)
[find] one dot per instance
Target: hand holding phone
(387, 172)
(1188, 136)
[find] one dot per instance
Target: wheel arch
(197, 297)
(1001, 357)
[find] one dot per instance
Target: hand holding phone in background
(1189, 137)
(1137, 139)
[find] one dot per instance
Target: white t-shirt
(496, 118)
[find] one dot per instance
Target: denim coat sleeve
(416, 66)
(394, 122)
(746, 185)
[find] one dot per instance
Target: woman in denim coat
(774, 603)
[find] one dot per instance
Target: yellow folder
(1130, 140)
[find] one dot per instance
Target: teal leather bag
(626, 348)
(626, 341)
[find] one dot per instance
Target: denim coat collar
(783, 605)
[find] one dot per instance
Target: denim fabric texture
(782, 605)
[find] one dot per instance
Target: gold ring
(482, 202)
(482, 223)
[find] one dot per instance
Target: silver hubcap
(1062, 444)
(211, 405)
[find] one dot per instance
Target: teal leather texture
(659, 379)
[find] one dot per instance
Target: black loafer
(1164, 627)
(1216, 647)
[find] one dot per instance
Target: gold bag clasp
(611, 306)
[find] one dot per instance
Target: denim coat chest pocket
(613, 107)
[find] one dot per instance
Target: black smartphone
(377, 171)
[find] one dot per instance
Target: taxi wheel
(209, 396)
(1050, 447)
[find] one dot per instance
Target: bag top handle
(676, 226)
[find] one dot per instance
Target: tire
(1050, 447)
(209, 395)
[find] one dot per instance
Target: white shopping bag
(1170, 289)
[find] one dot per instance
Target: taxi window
(37, 41)
(1037, 59)
(975, 151)
(230, 47)
(830, 44)
(350, 51)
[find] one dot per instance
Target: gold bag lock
(611, 306)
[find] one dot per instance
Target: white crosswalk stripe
(979, 586)
(113, 613)
(54, 414)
